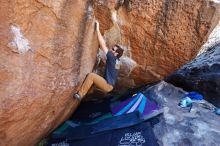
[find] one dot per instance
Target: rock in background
(202, 75)
(47, 48)
(159, 36)
(213, 39)
(179, 127)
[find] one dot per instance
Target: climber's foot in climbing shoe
(77, 96)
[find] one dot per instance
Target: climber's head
(117, 51)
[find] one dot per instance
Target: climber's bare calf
(107, 82)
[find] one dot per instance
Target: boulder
(213, 39)
(178, 126)
(159, 36)
(48, 47)
(202, 75)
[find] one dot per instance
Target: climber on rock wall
(111, 69)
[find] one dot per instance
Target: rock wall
(201, 75)
(47, 48)
(213, 39)
(179, 127)
(160, 36)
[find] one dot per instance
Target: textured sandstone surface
(47, 48)
(213, 39)
(160, 36)
(202, 73)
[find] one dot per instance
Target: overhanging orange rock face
(161, 36)
(47, 48)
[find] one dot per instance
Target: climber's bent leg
(97, 80)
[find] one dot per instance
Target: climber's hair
(119, 51)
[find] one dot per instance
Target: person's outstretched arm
(101, 39)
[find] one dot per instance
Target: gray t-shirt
(111, 73)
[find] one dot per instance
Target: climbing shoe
(77, 96)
